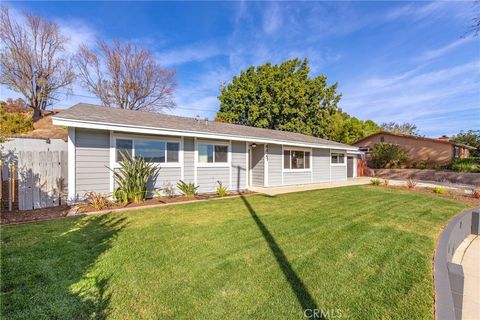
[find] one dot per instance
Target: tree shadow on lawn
(301, 292)
(49, 274)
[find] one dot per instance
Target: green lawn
(355, 252)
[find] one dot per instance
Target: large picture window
(211, 153)
(154, 151)
(337, 158)
(295, 159)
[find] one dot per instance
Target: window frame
(290, 149)
(212, 164)
(338, 164)
(135, 138)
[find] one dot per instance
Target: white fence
(34, 179)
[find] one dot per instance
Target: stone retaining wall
(427, 175)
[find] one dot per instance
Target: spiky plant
(132, 177)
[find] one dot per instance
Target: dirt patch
(457, 196)
(18, 216)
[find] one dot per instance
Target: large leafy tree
(282, 97)
(285, 97)
(401, 128)
(470, 138)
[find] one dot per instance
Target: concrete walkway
(471, 270)
(271, 191)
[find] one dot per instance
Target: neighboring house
(431, 151)
(198, 151)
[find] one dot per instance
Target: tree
(125, 76)
(14, 122)
(349, 129)
(470, 138)
(404, 128)
(388, 155)
(281, 97)
(33, 60)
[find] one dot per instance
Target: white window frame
(287, 148)
(338, 164)
(213, 164)
(165, 164)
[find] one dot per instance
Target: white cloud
(438, 52)
(195, 52)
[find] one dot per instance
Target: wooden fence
(35, 179)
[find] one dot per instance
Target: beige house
(428, 150)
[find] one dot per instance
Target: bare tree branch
(33, 60)
(126, 76)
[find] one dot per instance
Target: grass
(361, 252)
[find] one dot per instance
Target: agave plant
(132, 178)
(188, 189)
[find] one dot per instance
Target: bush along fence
(33, 180)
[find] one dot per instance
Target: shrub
(132, 178)
(386, 182)
(14, 122)
(221, 189)
(388, 155)
(465, 165)
(188, 189)
(411, 183)
(422, 165)
(169, 190)
(476, 193)
(97, 201)
(375, 182)
(439, 190)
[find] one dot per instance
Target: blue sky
(394, 61)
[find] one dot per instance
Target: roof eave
(162, 131)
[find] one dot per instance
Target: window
(150, 150)
(123, 147)
(172, 151)
(210, 153)
(294, 159)
(337, 158)
(382, 139)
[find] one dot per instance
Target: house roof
(413, 138)
(99, 117)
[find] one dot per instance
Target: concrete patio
(271, 191)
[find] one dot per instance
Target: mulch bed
(18, 216)
(457, 196)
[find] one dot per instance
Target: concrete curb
(448, 276)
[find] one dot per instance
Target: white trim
(186, 133)
(181, 156)
(72, 197)
(330, 163)
(282, 164)
(112, 160)
(344, 164)
(195, 162)
(230, 161)
(247, 168)
(216, 164)
(265, 165)
(297, 149)
(165, 164)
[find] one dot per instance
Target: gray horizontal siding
(290, 178)
(165, 176)
(239, 165)
(274, 156)
(92, 158)
(321, 165)
(207, 178)
(339, 173)
(189, 159)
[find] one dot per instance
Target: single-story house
(431, 151)
(193, 150)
